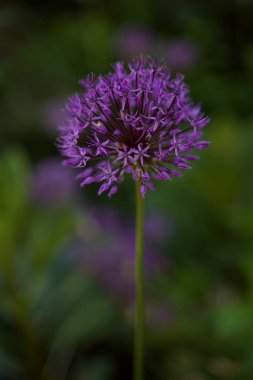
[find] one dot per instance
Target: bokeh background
(66, 255)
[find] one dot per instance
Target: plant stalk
(139, 287)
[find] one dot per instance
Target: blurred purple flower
(181, 54)
(136, 121)
(157, 227)
(51, 183)
(108, 253)
(133, 40)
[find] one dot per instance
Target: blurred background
(66, 255)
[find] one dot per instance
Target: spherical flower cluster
(138, 121)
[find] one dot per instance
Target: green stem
(139, 288)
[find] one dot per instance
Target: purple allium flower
(181, 53)
(138, 121)
(51, 183)
(133, 40)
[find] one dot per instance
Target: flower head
(136, 121)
